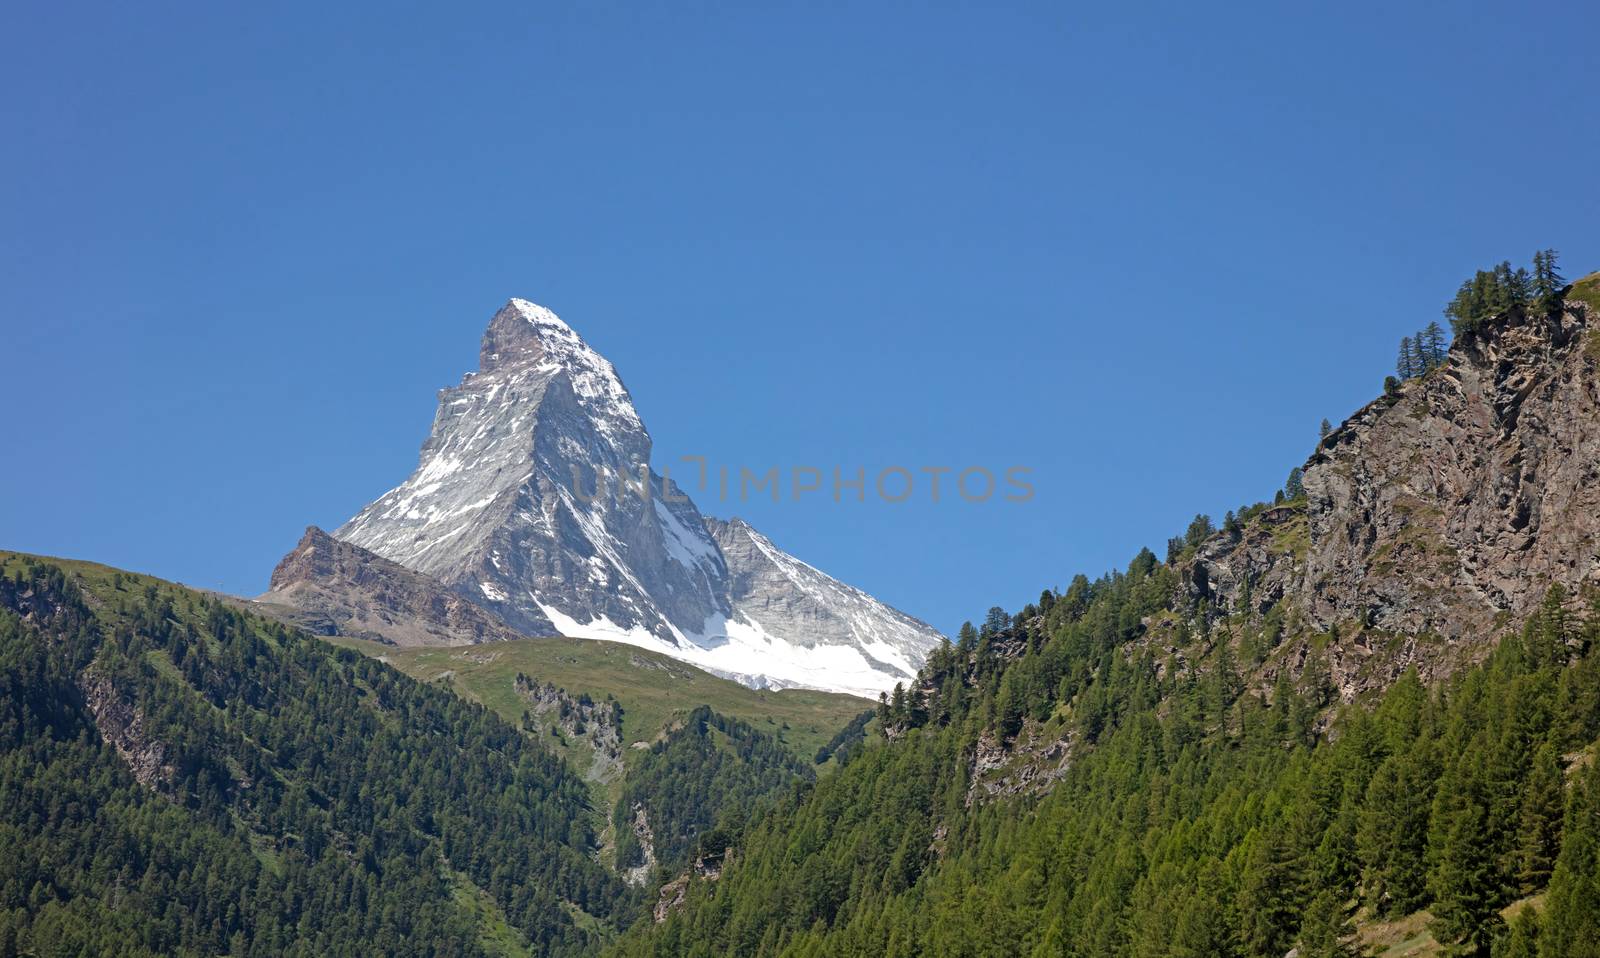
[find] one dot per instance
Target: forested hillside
(1363, 712)
(1198, 815)
(710, 768)
(181, 778)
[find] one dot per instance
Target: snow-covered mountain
(519, 503)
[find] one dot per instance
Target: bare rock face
(595, 725)
(1471, 495)
(122, 726)
(335, 588)
(534, 500)
(519, 497)
(1256, 569)
(638, 874)
(1440, 513)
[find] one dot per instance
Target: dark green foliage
(1493, 291)
(1270, 895)
(847, 740)
(1468, 890)
(297, 798)
(1422, 353)
(1391, 838)
(1572, 909)
(711, 768)
(1405, 366)
(1326, 931)
(1435, 348)
(1293, 488)
(1539, 827)
(1522, 939)
(1548, 283)
(1195, 817)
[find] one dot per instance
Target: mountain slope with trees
(182, 778)
(1197, 816)
(1269, 741)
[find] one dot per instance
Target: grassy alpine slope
(655, 691)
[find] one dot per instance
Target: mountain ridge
(534, 500)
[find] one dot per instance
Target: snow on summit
(502, 508)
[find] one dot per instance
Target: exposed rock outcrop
(331, 587)
(706, 867)
(640, 823)
(122, 726)
(581, 720)
(1435, 516)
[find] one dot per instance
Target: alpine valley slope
(535, 500)
(1363, 718)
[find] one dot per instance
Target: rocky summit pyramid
(534, 499)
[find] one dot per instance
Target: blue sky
(1141, 249)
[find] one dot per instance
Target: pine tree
(1504, 280)
(1421, 362)
(1268, 897)
(1325, 430)
(1466, 888)
(1522, 939)
(1392, 835)
(1520, 291)
(1199, 530)
(1404, 366)
(1572, 908)
(1539, 828)
(1434, 344)
(1325, 928)
(1548, 282)
(1294, 487)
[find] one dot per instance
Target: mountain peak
(505, 511)
(524, 336)
(522, 331)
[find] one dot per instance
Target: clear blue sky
(1142, 249)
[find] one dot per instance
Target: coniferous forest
(1198, 817)
(180, 778)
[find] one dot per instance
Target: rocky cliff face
(1446, 510)
(535, 501)
(331, 587)
(519, 495)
